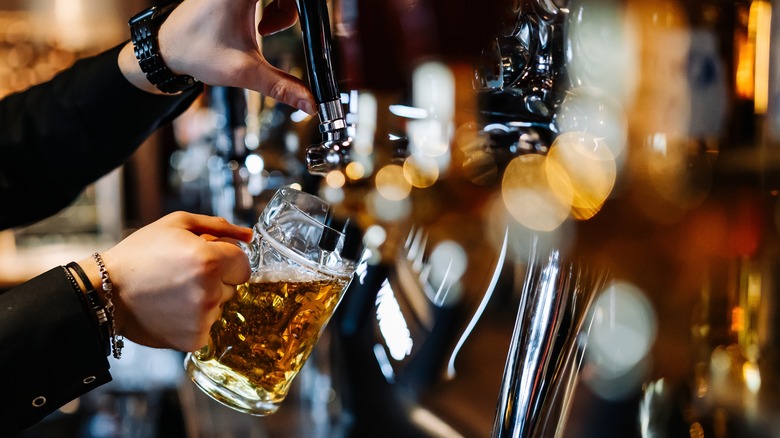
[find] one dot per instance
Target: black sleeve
(50, 351)
(58, 137)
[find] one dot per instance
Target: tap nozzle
(334, 151)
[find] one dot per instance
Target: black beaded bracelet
(77, 289)
(94, 303)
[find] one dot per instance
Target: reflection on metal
(654, 409)
(480, 309)
(545, 350)
(528, 56)
(392, 324)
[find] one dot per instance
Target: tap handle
(333, 152)
(317, 45)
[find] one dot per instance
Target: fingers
(277, 16)
(233, 262)
(213, 312)
(219, 234)
(225, 36)
(282, 87)
(277, 84)
(196, 335)
(212, 315)
(209, 225)
(228, 291)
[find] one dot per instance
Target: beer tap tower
(545, 350)
(227, 180)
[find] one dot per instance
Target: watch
(143, 33)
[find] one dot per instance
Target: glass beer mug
(270, 326)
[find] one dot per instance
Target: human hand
(216, 41)
(171, 277)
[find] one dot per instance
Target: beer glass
(270, 326)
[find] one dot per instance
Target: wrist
(130, 69)
(92, 273)
(93, 303)
(144, 31)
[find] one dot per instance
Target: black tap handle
(230, 103)
(317, 46)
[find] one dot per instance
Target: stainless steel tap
(333, 152)
(546, 347)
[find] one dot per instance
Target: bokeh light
(521, 239)
(420, 171)
(429, 137)
(254, 163)
(433, 93)
(448, 262)
(602, 47)
(537, 195)
(384, 209)
(335, 179)
(622, 332)
(591, 170)
(355, 170)
(373, 238)
(433, 89)
(333, 195)
(391, 183)
(365, 127)
(594, 111)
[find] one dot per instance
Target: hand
(171, 277)
(216, 41)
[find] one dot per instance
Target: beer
(269, 328)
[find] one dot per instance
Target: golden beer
(267, 331)
(269, 328)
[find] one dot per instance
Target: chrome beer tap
(227, 169)
(519, 101)
(333, 153)
(547, 345)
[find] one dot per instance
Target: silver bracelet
(117, 341)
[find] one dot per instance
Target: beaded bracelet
(87, 308)
(94, 302)
(76, 287)
(117, 341)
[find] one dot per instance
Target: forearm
(60, 136)
(50, 352)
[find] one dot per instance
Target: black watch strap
(143, 33)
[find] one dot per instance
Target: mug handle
(250, 249)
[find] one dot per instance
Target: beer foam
(286, 275)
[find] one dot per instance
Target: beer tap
(547, 345)
(227, 171)
(333, 152)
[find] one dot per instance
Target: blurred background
(569, 207)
